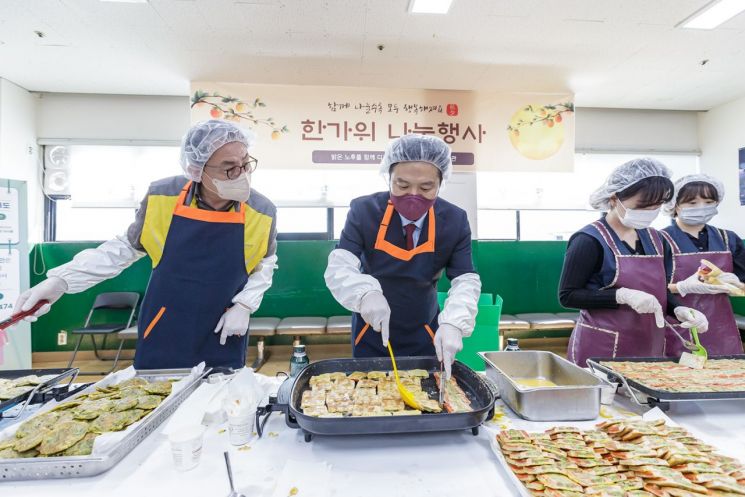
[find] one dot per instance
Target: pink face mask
(412, 207)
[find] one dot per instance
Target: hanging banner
(322, 127)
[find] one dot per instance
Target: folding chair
(106, 301)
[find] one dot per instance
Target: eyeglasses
(249, 166)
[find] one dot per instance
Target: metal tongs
(442, 386)
(7, 323)
(696, 348)
(687, 344)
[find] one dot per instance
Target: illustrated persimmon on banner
(343, 127)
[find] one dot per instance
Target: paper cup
(241, 428)
(186, 447)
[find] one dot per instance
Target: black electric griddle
(288, 399)
(658, 397)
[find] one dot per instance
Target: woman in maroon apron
(689, 240)
(614, 270)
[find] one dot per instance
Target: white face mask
(637, 219)
(238, 189)
(693, 216)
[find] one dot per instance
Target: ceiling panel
(610, 53)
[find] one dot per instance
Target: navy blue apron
(202, 268)
(409, 282)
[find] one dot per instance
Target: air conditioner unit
(57, 183)
(56, 157)
(57, 170)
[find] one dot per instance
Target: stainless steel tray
(577, 396)
(44, 468)
(507, 472)
(645, 395)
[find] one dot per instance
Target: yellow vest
(158, 216)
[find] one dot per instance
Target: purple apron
(623, 332)
(723, 337)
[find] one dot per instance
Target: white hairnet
(201, 141)
(418, 148)
(669, 208)
(624, 176)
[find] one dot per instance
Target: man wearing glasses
(212, 242)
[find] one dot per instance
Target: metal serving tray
(25, 398)
(289, 396)
(44, 468)
(577, 396)
(645, 395)
(507, 472)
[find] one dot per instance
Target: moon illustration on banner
(537, 131)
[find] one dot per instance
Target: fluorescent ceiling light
(125, 1)
(429, 6)
(714, 14)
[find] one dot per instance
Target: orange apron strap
(361, 334)
(399, 253)
(182, 196)
(154, 322)
(236, 217)
(383, 229)
(431, 333)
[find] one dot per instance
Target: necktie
(409, 228)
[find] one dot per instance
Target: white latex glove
(233, 322)
(461, 306)
(731, 279)
(691, 318)
(50, 289)
(375, 311)
(448, 342)
(641, 302)
(257, 284)
(693, 285)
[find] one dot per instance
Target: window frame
(319, 235)
(659, 154)
(50, 201)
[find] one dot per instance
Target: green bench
(299, 290)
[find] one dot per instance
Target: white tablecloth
(440, 464)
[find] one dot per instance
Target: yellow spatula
(406, 395)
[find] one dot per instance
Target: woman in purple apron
(614, 270)
(689, 239)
